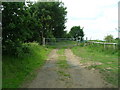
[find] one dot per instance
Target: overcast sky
(98, 17)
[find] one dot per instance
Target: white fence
(105, 44)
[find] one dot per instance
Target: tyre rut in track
(75, 76)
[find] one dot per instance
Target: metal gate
(61, 42)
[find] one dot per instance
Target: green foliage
(62, 44)
(16, 20)
(27, 24)
(15, 70)
(77, 31)
(52, 38)
(68, 35)
(109, 38)
(108, 49)
(52, 16)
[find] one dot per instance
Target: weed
(62, 73)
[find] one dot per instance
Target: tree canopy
(30, 23)
(109, 38)
(76, 32)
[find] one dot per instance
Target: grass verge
(108, 62)
(15, 70)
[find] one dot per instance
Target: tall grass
(16, 69)
(107, 57)
(108, 49)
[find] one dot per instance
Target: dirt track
(79, 77)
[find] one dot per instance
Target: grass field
(105, 62)
(62, 44)
(15, 70)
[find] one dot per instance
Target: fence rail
(105, 44)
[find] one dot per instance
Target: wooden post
(113, 46)
(86, 39)
(43, 41)
(104, 45)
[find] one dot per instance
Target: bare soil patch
(82, 77)
(47, 76)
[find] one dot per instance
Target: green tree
(76, 32)
(109, 38)
(52, 16)
(31, 23)
(16, 20)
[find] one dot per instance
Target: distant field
(105, 62)
(62, 44)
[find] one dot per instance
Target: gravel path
(83, 78)
(79, 77)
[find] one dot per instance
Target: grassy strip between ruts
(62, 63)
(62, 59)
(61, 52)
(15, 70)
(107, 64)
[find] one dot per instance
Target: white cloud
(98, 18)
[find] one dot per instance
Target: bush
(18, 70)
(82, 44)
(24, 50)
(21, 50)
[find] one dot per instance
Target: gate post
(43, 41)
